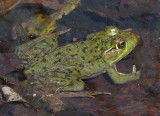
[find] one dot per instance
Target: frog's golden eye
(120, 44)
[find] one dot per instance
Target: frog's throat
(121, 78)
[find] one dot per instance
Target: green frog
(64, 67)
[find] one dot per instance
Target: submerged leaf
(11, 95)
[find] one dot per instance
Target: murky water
(137, 98)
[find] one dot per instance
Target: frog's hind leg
(63, 82)
(77, 85)
(74, 89)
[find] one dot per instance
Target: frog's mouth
(121, 78)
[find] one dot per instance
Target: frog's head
(113, 45)
(121, 43)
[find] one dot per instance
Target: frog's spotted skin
(64, 66)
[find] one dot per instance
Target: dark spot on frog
(84, 49)
(81, 65)
(91, 50)
(59, 53)
(69, 71)
(89, 61)
(43, 41)
(71, 84)
(83, 58)
(46, 53)
(102, 41)
(92, 64)
(31, 48)
(73, 55)
(58, 69)
(96, 57)
(57, 61)
(96, 46)
(44, 68)
(36, 55)
(43, 60)
(50, 42)
(76, 70)
(101, 49)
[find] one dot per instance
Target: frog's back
(32, 51)
(60, 59)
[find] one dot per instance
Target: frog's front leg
(121, 78)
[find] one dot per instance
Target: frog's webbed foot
(121, 78)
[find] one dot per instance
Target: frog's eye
(111, 30)
(120, 44)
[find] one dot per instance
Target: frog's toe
(121, 78)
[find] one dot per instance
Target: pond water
(140, 97)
